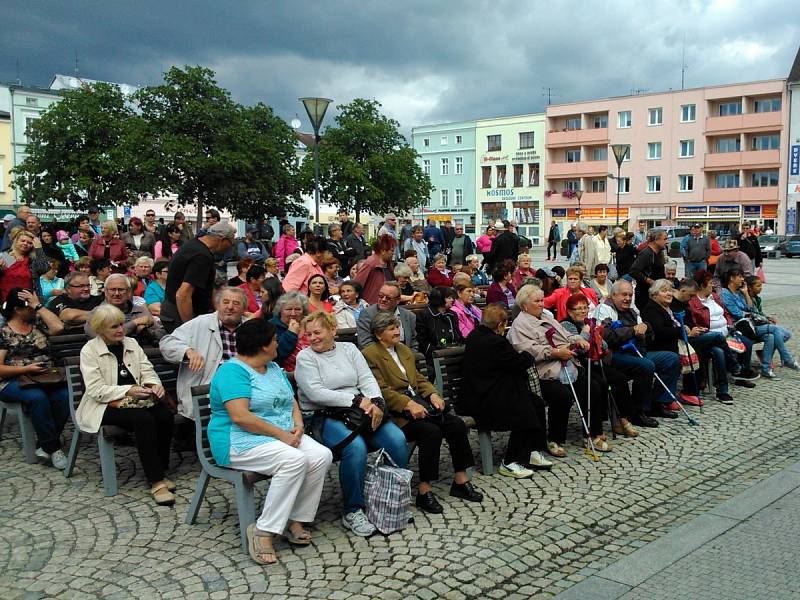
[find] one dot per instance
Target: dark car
(771, 244)
(791, 247)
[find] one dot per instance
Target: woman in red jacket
(558, 299)
(439, 273)
(109, 247)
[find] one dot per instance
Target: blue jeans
(641, 370)
(691, 267)
(353, 466)
(713, 343)
(48, 410)
(773, 340)
(668, 367)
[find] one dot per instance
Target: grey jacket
(408, 321)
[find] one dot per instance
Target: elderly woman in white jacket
(553, 349)
(122, 389)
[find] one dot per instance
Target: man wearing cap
(505, 245)
(23, 212)
(190, 283)
(733, 258)
(695, 250)
(94, 220)
(250, 247)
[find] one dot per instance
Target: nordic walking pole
(680, 315)
(613, 409)
(595, 455)
(692, 421)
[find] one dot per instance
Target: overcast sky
(425, 61)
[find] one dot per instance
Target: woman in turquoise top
(256, 425)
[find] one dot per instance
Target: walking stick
(681, 315)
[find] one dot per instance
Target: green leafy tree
(366, 165)
(81, 152)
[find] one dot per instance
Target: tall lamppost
(620, 151)
(316, 107)
(578, 194)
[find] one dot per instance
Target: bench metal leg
(28, 435)
(197, 497)
(3, 412)
(245, 506)
(487, 461)
(108, 466)
(73, 452)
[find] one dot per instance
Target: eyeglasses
(79, 285)
(150, 215)
(117, 290)
(387, 297)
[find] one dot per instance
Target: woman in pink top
(285, 245)
(523, 270)
(484, 243)
(469, 315)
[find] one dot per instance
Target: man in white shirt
(602, 246)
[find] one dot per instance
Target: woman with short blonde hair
(22, 264)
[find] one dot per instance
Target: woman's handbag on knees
(51, 376)
(747, 328)
(735, 344)
(387, 494)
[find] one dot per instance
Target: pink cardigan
(284, 247)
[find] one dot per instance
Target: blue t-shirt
(271, 399)
(154, 293)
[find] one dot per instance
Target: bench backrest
(347, 334)
(448, 366)
(201, 403)
(64, 346)
(167, 372)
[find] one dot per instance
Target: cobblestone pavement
(528, 539)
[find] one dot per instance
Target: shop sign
(526, 155)
(445, 210)
(654, 212)
(692, 211)
(729, 210)
(794, 160)
(499, 193)
(769, 211)
(612, 212)
(559, 213)
(487, 158)
(791, 218)
(794, 188)
(752, 212)
(590, 213)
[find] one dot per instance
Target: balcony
(751, 159)
(576, 137)
(571, 170)
(742, 194)
(588, 199)
(750, 122)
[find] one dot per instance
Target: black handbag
(747, 328)
(428, 405)
(353, 417)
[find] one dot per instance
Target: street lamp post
(316, 107)
(578, 194)
(620, 151)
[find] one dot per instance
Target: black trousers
(428, 433)
(152, 428)
(553, 245)
(618, 382)
(559, 400)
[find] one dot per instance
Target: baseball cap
(221, 229)
(390, 216)
(8, 217)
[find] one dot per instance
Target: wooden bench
(447, 364)
(242, 480)
(64, 346)
(347, 334)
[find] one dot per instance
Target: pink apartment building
(715, 155)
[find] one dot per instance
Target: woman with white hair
(107, 245)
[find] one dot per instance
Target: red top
(558, 300)
(118, 251)
(436, 277)
(371, 276)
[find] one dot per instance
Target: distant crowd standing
(613, 333)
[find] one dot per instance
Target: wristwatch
(38, 306)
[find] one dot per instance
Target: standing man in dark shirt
(190, 283)
(649, 265)
(505, 245)
(346, 223)
(748, 243)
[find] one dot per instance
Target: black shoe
(465, 491)
(642, 420)
(744, 383)
(429, 503)
(725, 399)
(747, 375)
(660, 411)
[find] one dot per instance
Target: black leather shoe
(642, 420)
(662, 412)
(465, 491)
(429, 503)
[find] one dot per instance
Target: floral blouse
(24, 349)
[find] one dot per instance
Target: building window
(459, 165)
(655, 116)
(768, 105)
(426, 166)
(600, 153)
(501, 176)
(486, 177)
(726, 109)
(28, 122)
(459, 197)
(653, 150)
(526, 139)
(624, 119)
(653, 184)
(533, 174)
(731, 144)
(687, 148)
(573, 123)
(445, 166)
(598, 185)
(688, 113)
(518, 177)
(493, 143)
(443, 198)
(765, 179)
(31, 101)
(443, 141)
(624, 185)
(573, 156)
(572, 184)
(728, 180)
(685, 183)
(459, 139)
(766, 142)
(600, 121)
(426, 142)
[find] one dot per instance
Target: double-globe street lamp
(578, 194)
(316, 107)
(620, 152)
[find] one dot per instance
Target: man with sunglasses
(74, 306)
(150, 223)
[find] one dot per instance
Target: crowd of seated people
(266, 344)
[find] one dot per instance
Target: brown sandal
(261, 554)
(300, 538)
(162, 495)
(555, 450)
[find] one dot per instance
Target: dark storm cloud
(425, 61)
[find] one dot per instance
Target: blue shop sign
(752, 211)
(559, 213)
(794, 160)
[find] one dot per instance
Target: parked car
(791, 247)
(771, 244)
(674, 236)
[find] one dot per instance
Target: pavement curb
(631, 571)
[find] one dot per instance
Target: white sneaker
(358, 523)
(59, 460)
(539, 462)
(515, 470)
(40, 453)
